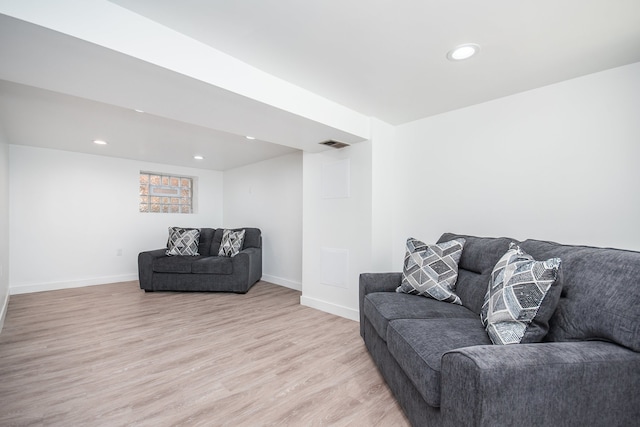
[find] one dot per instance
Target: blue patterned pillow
(183, 241)
(518, 288)
(432, 270)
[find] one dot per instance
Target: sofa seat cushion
(382, 307)
(213, 265)
(174, 264)
(193, 264)
(419, 344)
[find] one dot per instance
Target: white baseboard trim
(53, 286)
(282, 282)
(3, 311)
(331, 308)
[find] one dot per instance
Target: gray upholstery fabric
(212, 265)
(543, 384)
(375, 282)
(418, 346)
(479, 256)
(575, 378)
(157, 272)
(382, 307)
(414, 406)
(206, 237)
(600, 293)
(145, 266)
(174, 264)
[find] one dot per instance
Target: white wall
(340, 226)
(70, 213)
(383, 183)
(4, 227)
(268, 195)
(556, 163)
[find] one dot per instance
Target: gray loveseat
(206, 271)
(444, 371)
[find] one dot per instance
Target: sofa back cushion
(252, 239)
(479, 256)
(206, 237)
(600, 293)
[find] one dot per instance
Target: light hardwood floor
(112, 355)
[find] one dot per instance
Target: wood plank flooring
(112, 355)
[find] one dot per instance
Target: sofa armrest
(568, 383)
(376, 282)
(145, 266)
(249, 262)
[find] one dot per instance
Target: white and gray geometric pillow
(183, 241)
(432, 270)
(516, 291)
(231, 243)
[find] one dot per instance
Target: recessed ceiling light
(198, 157)
(137, 110)
(462, 52)
(250, 137)
(99, 142)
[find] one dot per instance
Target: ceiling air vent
(334, 144)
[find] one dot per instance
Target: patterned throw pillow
(231, 243)
(432, 270)
(518, 288)
(183, 241)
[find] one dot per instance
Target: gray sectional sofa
(206, 271)
(444, 370)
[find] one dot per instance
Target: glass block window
(165, 193)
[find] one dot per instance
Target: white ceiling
(387, 58)
(380, 58)
(46, 119)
